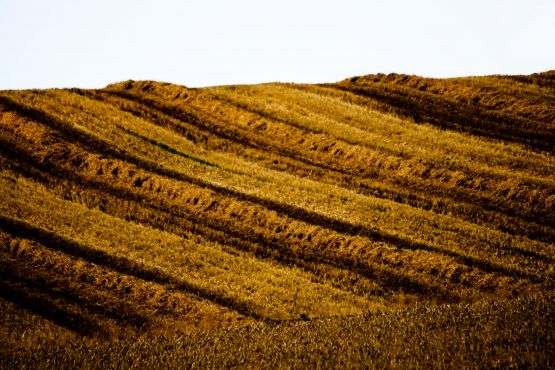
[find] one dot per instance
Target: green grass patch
(168, 149)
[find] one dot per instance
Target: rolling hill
(199, 221)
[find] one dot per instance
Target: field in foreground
(503, 334)
(195, 219)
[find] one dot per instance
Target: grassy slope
(148, 209)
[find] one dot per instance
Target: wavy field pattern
(148, 207)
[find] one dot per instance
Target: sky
(89, 44)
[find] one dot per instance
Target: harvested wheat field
(381, 221)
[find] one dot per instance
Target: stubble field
(384, 220)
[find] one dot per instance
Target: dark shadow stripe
(15, 290)
(35, 276)
(447, 114)
(118, 264)
(545, 79)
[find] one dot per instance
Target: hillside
(153, 210)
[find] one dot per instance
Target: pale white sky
(65, 43)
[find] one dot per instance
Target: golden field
(381, 221)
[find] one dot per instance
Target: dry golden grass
(148, 209)
(505, 334)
